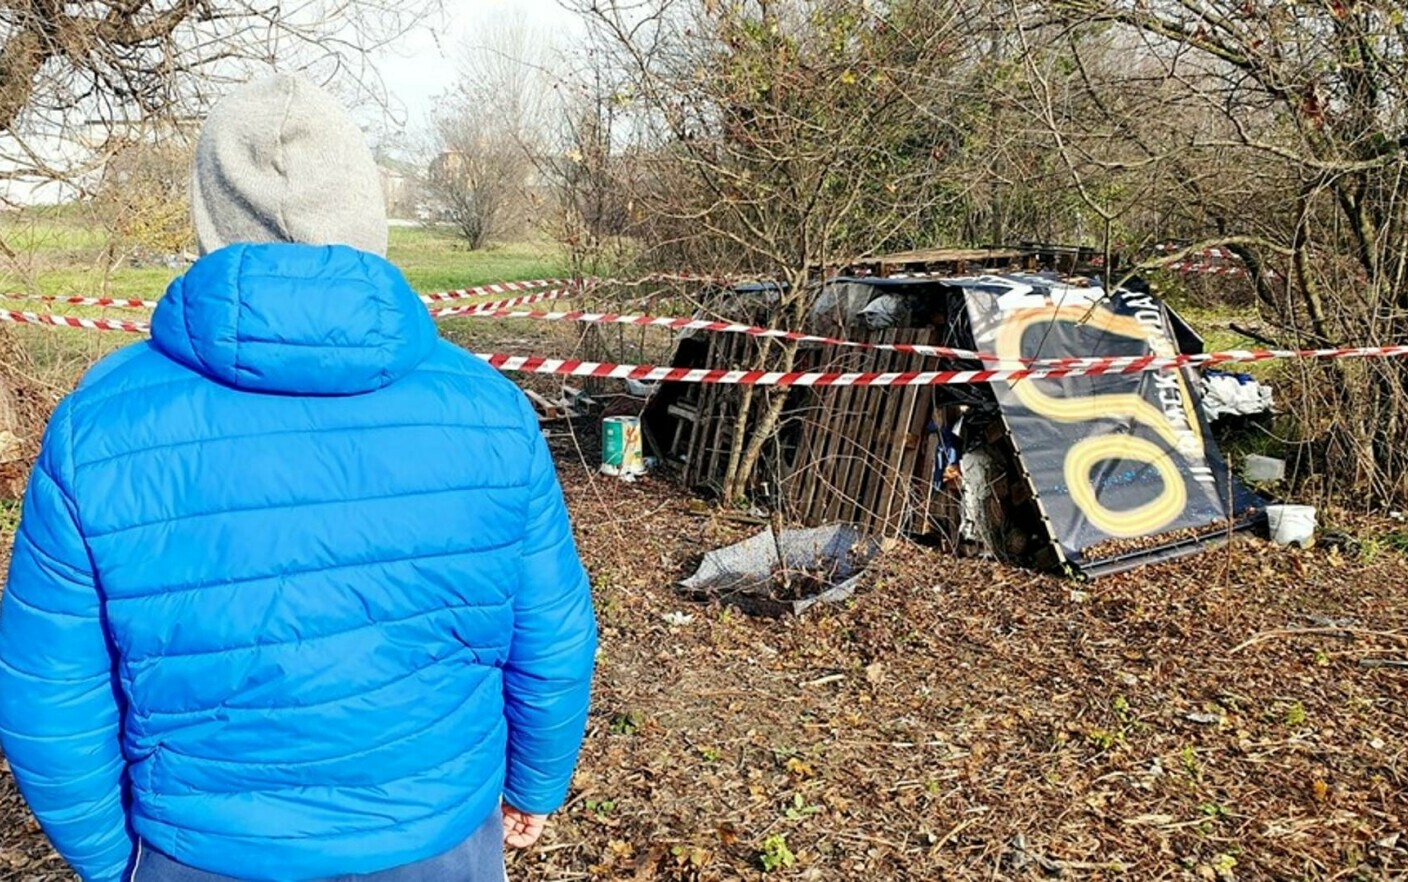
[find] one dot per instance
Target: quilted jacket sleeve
(547, 680)
(59, 707)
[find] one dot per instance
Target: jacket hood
(280, 160)
(294, 319)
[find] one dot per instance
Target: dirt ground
(1227, 716)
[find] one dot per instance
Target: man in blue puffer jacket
(294, 594)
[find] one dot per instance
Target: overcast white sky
(423, 65)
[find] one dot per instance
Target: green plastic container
(621, 450)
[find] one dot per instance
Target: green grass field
(50, 230)
(62, 252)
(435, 260)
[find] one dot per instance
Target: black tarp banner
(1110, 457)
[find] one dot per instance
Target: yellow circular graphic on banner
(1083, 456)
(1147, 518)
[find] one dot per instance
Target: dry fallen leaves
(976, 705)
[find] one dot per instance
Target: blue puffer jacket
(294, 593)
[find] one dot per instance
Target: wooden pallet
(867, 456)
(860, 455)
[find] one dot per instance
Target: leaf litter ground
(1233, 715)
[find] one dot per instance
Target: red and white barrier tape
(108, 302)
(1038, 369)
(574, 286)
(648, 373)
(492, 308)
(69, 321)
(472, 309)
(475, 309)
(115, 303)
(1210, 269)
(664, 278)
(496, 288)
(567, 287)
(1214, 252)
(1190, 265)
(142, 327)
(684, 324)
(1126, 364)
(1214, 269)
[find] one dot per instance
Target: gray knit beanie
(280, 160)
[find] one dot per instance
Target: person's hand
(520, 828)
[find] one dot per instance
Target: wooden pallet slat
(907, 455)
(729, 407)
(822, 466)
(841, 505)
(894, 506)
(858, 455)
(881, 433)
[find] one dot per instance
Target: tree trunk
(766, 426)
(1314, 301)
(731, 489)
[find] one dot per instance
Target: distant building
(400, 187)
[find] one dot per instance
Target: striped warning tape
(497, 306)
(1136, 363)
(496, 288)
(462, 294)
(69, 321)
(110, 302)
(492, 308)
(1037, 369)
(142, 327)
(717, 327)
(1211, 269)
(649, 373)
(1214, 252)
(1201, 262)
(566, 287)
(579, 285)
(666, 278)
(119, 303)
(489, 311)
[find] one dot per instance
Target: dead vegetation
(962, 720)
(1239, 714)
(25, 405)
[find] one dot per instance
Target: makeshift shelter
(1094, 473)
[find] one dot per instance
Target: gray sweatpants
(480, 858)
